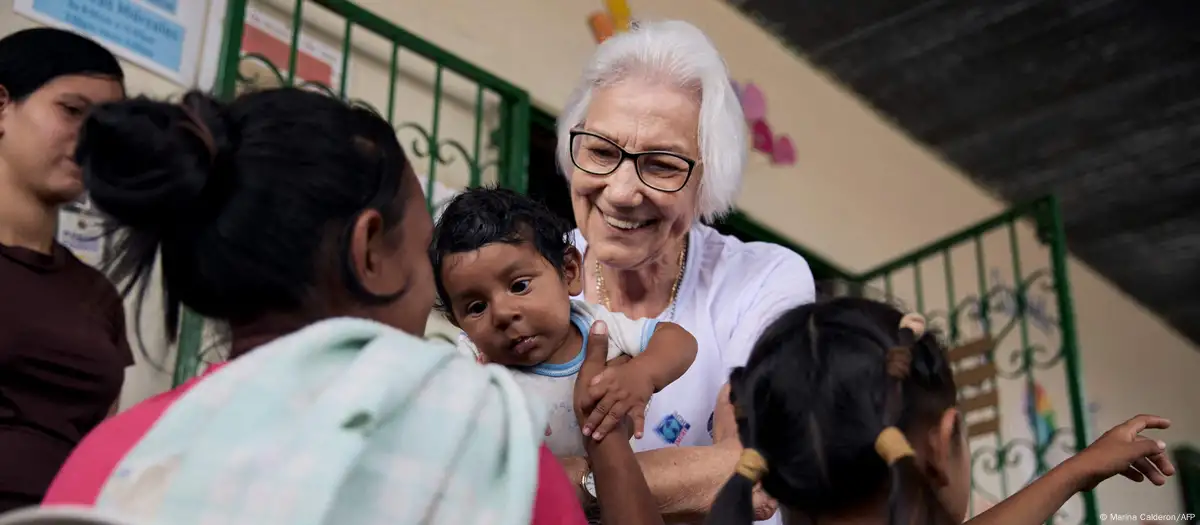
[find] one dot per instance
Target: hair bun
(148, 164)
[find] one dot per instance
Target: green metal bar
(393, 72)
(187, 350)
(503, 141)
(1070, 343)
(917, 284)
(1023, 324)
(433, 136)
(515, 143)
(378, 25)
(518, 174)
(981, 275)
(951, 301)
(950, 240)
(476, 174)
(986, 322)
(345, 59)
(297, 27)
(231, 49)
(191, 326)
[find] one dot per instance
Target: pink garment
(87, 469)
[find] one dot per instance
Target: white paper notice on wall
(163, 36)
(81, 230)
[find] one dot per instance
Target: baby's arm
(1121, 450)
(667, 356)
(625, 390)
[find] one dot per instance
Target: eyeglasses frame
(626, 155)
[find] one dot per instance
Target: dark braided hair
(830, 391)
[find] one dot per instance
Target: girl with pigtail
(846, 410)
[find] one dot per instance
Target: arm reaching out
(625, 390)
(1122, 450)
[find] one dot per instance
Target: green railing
(1030, 321)
(456, 117)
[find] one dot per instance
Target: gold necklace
(603, 292)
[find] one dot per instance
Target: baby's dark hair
(481, 216)
(245, 201)
(822, 384)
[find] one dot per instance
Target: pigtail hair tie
(892, 446)
(899, 358)
(751, 465)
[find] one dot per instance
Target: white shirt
(555, 384)
(731, 291)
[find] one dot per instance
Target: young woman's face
(38, 135)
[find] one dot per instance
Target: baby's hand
(623, 391)
(1124, 451)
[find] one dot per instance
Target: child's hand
(623, 391)
(1124, 451)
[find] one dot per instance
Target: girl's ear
(6, 102)
(943, 444)
(573, 270)
(372, 256)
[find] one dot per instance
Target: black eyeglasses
(662, 170)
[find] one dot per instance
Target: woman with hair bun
(63, 349)
(847, 412)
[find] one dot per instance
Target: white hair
(680, 53)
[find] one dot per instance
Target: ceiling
(1095, 101)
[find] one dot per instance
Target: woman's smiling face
(626, 222)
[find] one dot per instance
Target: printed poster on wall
(163, 36)
(81, 230)
(271, 38)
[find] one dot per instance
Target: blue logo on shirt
(672, 428)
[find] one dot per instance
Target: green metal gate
(999, 291)
(458, 122)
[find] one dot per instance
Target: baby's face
(510, 301)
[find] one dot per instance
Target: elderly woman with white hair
(653, 141)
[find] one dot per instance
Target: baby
(505, 273)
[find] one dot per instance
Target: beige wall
(861, 192)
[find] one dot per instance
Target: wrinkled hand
(1123, 450)
(724, 423)
(764, 505)
(618, 392)
(595, 355)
